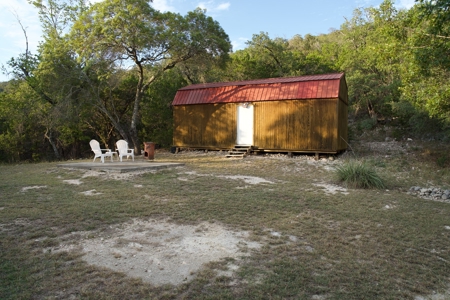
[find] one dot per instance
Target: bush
(359, 175)
(367, 124)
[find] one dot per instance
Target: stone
(445, 197)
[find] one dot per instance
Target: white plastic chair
(102, 153)
(122, 149)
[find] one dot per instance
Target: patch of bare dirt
(245, 179)
(34, 187)
(73, 181)
(91, 193)
(332, 189)
(115, 175)
(160, 252)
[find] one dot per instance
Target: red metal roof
(304, 87)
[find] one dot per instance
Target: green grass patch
(357, 174)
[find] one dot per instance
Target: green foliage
(358, 174)
(436, 11)
(428, 59)
(413, 120)
(156, 109)
(371, 55)
(119, 32)
(403, 111)
(21, 123)
(367, 124)
(268, 58)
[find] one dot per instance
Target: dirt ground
(158, 251)
(163, 252)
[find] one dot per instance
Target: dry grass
(367, 244)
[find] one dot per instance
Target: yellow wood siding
(296, 125)
(342, 126)
(315, 125)
(205, 126)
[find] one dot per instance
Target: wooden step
(243, 148)
(239, 151)
(236, 155)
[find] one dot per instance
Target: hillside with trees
(110, 71)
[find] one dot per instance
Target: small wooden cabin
(292, 114)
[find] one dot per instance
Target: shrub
(368, 124)
(359, 175)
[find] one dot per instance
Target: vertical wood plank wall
(296, 125)
(208, 126)
(289, 125)
(343, 116)
(342, 125)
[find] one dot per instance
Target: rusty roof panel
(300, 89)
(304, 87)
(277, 94)
(265, 81)
(243, 92)
(290, 89)
(333, 89)
(259, 95)
(309, 90)
(320, 89)
(268, 89)
(328, 89)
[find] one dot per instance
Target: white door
(245, 124)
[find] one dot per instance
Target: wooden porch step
(235, 155)
(239, 151)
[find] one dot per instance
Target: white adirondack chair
(102, 153)
(122, 149)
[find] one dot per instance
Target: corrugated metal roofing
(304, 87)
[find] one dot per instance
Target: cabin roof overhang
(326, 86)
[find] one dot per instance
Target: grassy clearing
(367, 244)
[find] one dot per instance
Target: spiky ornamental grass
(358, 174)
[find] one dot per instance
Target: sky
(240, 19)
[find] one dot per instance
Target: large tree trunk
(135, 117)
(49, 137)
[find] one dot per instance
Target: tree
(438, 12)
(266, 58)
(54, 74)
(425, 77)
(157, 115)
(130, 33)
(371, 55)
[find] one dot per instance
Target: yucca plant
(358, 174)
